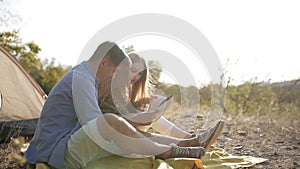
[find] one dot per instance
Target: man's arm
(85, 97)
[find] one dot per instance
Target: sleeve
(85, 97)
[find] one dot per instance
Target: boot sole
(216, 134)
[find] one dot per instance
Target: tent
(21, 99)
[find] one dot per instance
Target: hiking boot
(209, 136)
(188, 152)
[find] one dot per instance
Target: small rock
(225, 133)
(238, 147)
(257, 130)
(289, 148)
(199, 116)
(259, 166)
(228, 139)
(242, 133)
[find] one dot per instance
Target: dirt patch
(5, 150)
(258, 136)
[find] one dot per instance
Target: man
(72, 102)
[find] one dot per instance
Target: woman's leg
(204, 139)
(166, 127)
(163, 139)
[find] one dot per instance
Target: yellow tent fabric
(215, 158)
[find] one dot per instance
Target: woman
(140, 100)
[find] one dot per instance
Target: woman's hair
(142, 87)
(139, 90)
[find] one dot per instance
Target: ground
(258, 136)
(261, 136)
(273, 138)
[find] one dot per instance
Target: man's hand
(145, 100)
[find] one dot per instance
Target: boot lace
(180, 150)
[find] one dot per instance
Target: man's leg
(110, 134)
(128, 138)
(89, 143)
(81, 150)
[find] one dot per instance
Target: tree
(26, 53)
(155, 71)
(51, 74)
(251, 97)
(128, 49)
(43, 71)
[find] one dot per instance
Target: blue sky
(259, 38)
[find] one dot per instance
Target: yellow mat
(215, 158)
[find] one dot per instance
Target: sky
(253, 39)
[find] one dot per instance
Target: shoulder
(83, 71)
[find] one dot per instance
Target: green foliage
(185, 96)
(129, 49)
(250, 97)
(50, 74)
(44, 72)
(205, 95)
(288, 95)
(257, 98)
(155, 71)
(169, 89)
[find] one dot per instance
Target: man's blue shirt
(72, 102)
